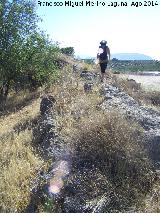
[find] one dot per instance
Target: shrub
(27, 56)
(68, 51)
(107, 143)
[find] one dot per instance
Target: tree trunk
(4, 92)
(33, 83)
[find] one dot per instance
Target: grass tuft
(110, 144)
(19, 165)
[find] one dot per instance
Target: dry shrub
(153, 97)
(88, 67)
(128, 85)
(152, 201)
(72, 103)
(19, 165)
(71, 113)
(113, 146)
(135, 90)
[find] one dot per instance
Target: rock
(152, 139)
(54, 149)
(88, 87)
(85, 189)
(76, 68)
(148, 118)
(46, 104)
(87, 75)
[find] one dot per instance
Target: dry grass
(17, 100)
(152, 200)
(29, 112)
(107, 142)
(18, 159)
(88, 67)
(150, 98)
(72, 103)
(105, 139)
(19, 165)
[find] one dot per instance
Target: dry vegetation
(18, 159)
(113, 150)
(149, 98)
(104, 139)
(19, 165)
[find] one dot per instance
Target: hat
(103, 42)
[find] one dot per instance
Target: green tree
(115, 59)
(68, 51)
(18, 20)
(27, 56)
(39, 59)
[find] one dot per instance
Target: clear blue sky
(126, 29)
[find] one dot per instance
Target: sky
(126, 29)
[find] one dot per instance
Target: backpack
(103, 58)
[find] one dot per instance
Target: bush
(40, 60)
(68, 51)
(107, 144)
(27, 56)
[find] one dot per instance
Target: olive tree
(68, 51)
(25, 52)
(39, 59)
(17, 20)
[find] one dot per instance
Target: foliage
(26, 55)
(18, 20)
(114, 59)
(89, 60)
(39, 59)
(68, 51)
(135, 66)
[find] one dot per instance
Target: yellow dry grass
(148, 98)
(152, 200)
(28, 112)
(77, 114)
(19, 165)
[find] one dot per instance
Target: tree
(18, 20)
(68, 51)
(27, 56)
(115, 59)
(39, 59)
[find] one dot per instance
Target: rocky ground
(77, 195)
(148, 118)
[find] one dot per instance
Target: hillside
(130, 65)
(80, 146)
(124, 56)
(135, 66)
(131, 56)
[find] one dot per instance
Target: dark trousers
(103, 67)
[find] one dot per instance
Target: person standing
(103, 56)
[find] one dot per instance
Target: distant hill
(131, 56)
(122, 56)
